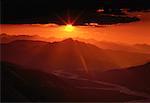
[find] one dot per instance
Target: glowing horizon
(130, 33)
(69, 28)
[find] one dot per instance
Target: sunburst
(69, 28)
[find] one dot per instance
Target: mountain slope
(140, 48)
(22, 84)
(136, 78)
(137, 48)
(70, 55)
(5, 38)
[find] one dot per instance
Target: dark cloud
(24, 10)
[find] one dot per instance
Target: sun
(69, 28)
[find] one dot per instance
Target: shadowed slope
(69, 55)
(136, 78)
(24, 84)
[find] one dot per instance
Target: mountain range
(140, 48)
(72, 70)
(68, 55)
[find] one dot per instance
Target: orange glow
(69, 28)
(128, 33)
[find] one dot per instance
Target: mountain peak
(68, 40)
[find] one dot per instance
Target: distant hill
(5, 38)
(140, 48)
(143, 47)
(70, 55)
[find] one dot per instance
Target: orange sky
(136, 32)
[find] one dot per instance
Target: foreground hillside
(136, 78)
(24, 84)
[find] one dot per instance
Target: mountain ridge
(135, 78)
(139, 48)
(67, 54)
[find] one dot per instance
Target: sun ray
(83, 62)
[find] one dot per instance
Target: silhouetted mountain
(5, 38)
(136, 78)
(25, 84)
(140, 48)
(143, 47)
(69, 55)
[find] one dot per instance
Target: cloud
(93, 24)
(46, 25)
